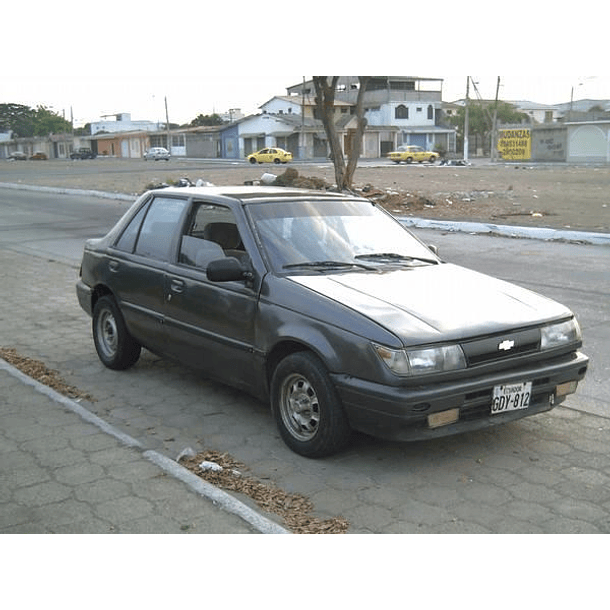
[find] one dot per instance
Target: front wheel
(115, 347)
(252, 160)
(306, 408)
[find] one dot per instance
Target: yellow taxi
(408, 154)
(270, 155)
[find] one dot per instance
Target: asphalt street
(545, 474)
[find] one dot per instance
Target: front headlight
(436, 359)
(422, 361)
(556, 335)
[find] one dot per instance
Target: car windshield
(330, 235)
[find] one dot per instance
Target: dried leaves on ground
(294, 509)
(40, 372)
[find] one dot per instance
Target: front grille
(501, 347)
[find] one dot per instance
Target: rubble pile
(458, 204)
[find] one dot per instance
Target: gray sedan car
(157, 153)
(327, 307)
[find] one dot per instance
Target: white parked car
(157, 153)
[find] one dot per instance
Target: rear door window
(160, 228)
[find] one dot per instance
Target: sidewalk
(64, 470)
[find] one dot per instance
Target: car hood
(435, 302)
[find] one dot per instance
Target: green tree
(26, 122)
(205, 120)
(480, 119)
(47, 122)
(17, 118)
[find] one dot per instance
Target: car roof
(253, 193)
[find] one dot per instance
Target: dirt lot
(556, 196)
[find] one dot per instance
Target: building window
(401, 112)
(430, 112)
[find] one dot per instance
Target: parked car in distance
(329, 308)
(157, 153)
(270, 155)
(408, 154)
(17, 155)
(39, 156)
(82, 153)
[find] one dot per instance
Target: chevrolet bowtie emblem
(506, 345)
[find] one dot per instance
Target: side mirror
(433, 248)
(226, 270)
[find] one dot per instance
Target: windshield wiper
(327, 265)
(393, 256)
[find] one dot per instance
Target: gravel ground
(555, 196)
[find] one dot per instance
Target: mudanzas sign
(515, 144)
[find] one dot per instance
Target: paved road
(547, 474)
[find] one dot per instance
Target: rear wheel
(115, 347)
(306, 408)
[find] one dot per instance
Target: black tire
(306, 408)
(276, 161)
(432, 160)
(253, 160)
(409, 160)
(115, 347)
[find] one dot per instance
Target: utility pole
(72, 131)
(302, 135)
(169, 144)
(494, 130)
(466, 120)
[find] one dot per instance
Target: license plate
(511, 397)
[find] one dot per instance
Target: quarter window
(127, 241)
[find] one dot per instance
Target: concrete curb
(67, 191)
(219, 497)
(540, 233)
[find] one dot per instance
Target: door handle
(177, 286)
(113, 266)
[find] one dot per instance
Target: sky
(88, 99)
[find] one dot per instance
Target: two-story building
(398, 110)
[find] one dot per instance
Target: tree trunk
(325, 102)
(356, 148)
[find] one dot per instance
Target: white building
(122, 122)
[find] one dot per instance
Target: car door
(265, 156)
(211, 325)
(137, 267)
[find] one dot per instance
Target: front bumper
(401, 413)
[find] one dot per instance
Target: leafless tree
(325, 102)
